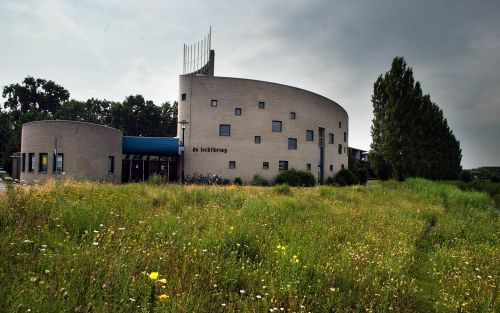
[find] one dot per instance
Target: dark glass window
(23, 165)
(261, 104)
(292, 115)
(183, 97)
(308, 166)
(343, 167)
(43, 162)
(331, 138)
(340, 124)
(237, 111)
(58, 163)
(331, 167)
(224, 130)
(277, 126)
(283, 165)
(232, 164)
(292, 143)
(31, 162)
(265, 165)
(340, 149)
(309, 135)
(257, 139)
(213, 103)
(111, 164)
(345, 136)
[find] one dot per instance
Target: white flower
(242, 291)
(95, 243)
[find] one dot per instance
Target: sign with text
(209, 149)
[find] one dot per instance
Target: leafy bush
(343, 178)
(362, 174)
(258, 180)
(296, 178)
(282, 189)
(495, 178)
(466, 176)
(238, 181)
(156, 179)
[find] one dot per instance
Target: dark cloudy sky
(111, 49)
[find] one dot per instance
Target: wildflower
(242, 291)
(95, 243)
(163, 281)
(154, 275)
(258, 297)
(231, 228)
(163, 297)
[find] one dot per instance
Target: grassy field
(87, 247)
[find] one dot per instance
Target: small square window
(309, 135)
(237, 111)
(224, 130)
(183, 97)
(277, 126)
(43, 162)
(232, 164)
(265, 165)
(213, 103)
(308, 166)
(257, 139)
(292, 115)
(283, 165)
(345, 136)
(292, 143)
(23, 165)
(340, 124)
(340, 149)
(111, 164)
(331, 138)
(261, 105)
(331, 167)
(31, 162)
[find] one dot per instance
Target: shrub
(258, 180)
(495, 178)
(343, 178)
(362, 174)
(282, 189)
(296, 178)
(238, 181)
(156, 179)
(466, 176)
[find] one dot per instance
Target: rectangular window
(237, 111)
(31, 162)
(283, 165)
(331, 138)
(331, 167)
(213, 103)
(183, 97)
(261, 104)
(340, 124)
(43, 162)
(308, 166)
(345, 136)
(309, 135)
(343, 167)
(257, 139)
(265, 165)
(277, 126)
(340, 149)
(292, 115)
(23, 160)
(58, 163)
(224, 130)
(232, 164)
(292, 143)
(111, 164)
(345, 149)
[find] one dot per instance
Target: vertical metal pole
(184, 60)
(130, 171)
(183, 152)
(142, 169)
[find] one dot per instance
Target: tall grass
(88, 247)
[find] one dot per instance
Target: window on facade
(343, 167)
(292, 115)
(331, 138)
(345, 149)
(183, 97)
(43, 162)
(340, 124)
(345, 136)
(31, 162)
(331, 167)
(58, 163)
(283, 165)
(257, 139)
(232, 164)
(340, 149)
(213, 103)
(237, 111)
(277, 126)
(265, 165)
(308, 166)
(261, 104)
(292, 143)
(111, 164)
(23, 160)
(309, 135)
(224, 130)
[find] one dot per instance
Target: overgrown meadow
(90, 247)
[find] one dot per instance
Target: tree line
(40, 99)
(410, 136)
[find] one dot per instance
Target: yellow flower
(163, 297)
(163, 281)
(154, 275)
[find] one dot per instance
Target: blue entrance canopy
(161, 146)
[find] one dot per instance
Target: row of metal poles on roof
(197, 55)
